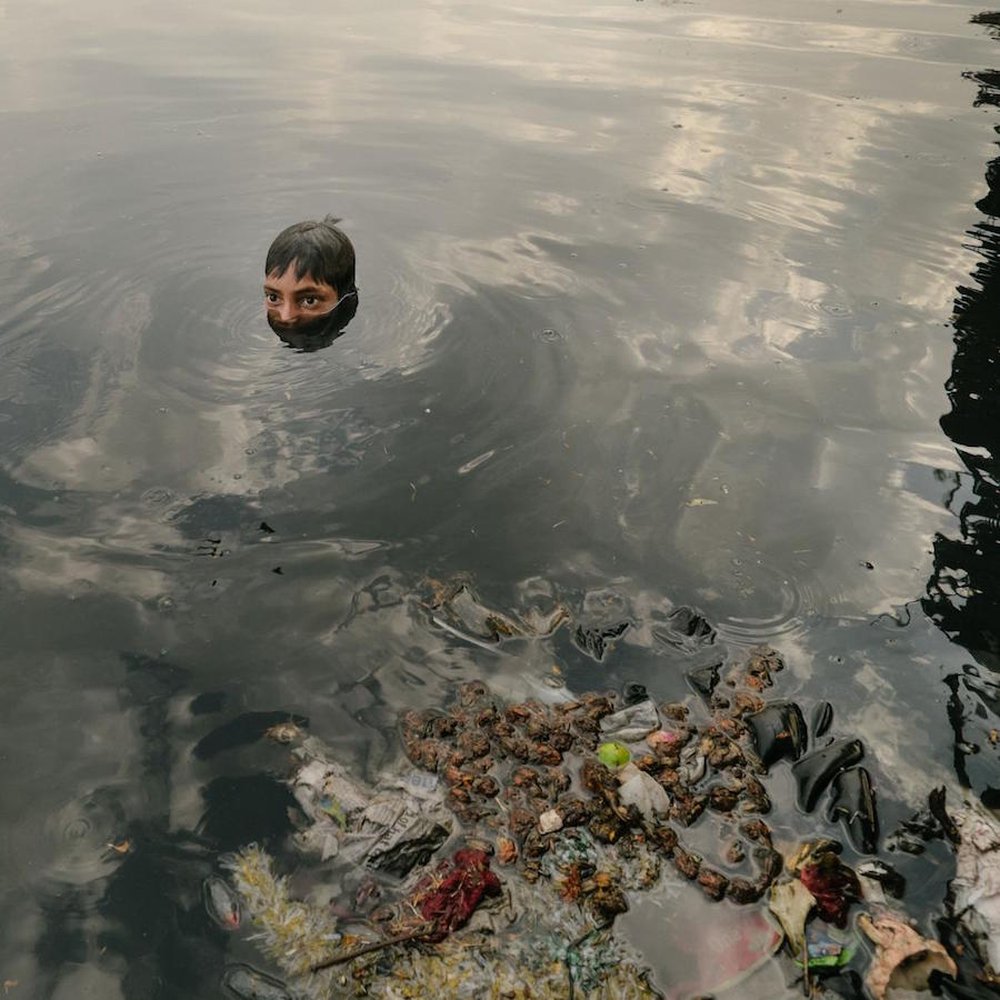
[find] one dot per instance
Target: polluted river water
(675, 339)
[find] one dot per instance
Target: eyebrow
(305, 290)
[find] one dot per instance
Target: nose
(287, 312)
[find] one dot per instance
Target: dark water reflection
(964, 590)
(655, 312)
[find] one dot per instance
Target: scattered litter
(827, 947)
(853, 802)
(632, 723)
(391, 828)
(792, 903)
(221, 902)
(644, 792)
(550, 821)
(663, 738)
(594, 641)
(779, 732)
(883, 875)
(821, 719)
(704, 681)
(249, 984)
(832, 883)
(474, 463)
(903, 959)
(455, 608)
(814, 772)
(976, 885)
(687, 629)
(507, 765)
(446, 898)
(284, 732)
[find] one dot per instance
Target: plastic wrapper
(903, 959)
(976, 885)
(632, 723)
(391, 828)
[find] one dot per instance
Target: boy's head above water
(309, 285)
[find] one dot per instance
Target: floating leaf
(791, 903)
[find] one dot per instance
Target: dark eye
(271, 297)
(310, 301)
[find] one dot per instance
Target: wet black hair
(319, 250)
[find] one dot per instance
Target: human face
(292, 302)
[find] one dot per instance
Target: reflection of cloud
(116, 556)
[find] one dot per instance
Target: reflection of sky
(761, 207)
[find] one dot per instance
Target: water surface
(658, 308)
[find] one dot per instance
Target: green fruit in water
(613, 754)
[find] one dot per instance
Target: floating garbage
(834, 885)
(445, 899)
(814, 772)
(249, 984)
(391, 828)
(221, 902)
(631, 723)
(779, 732)
(792, 903)
(976, 885)
(903, 959)
(853, 802)
(508, 765)
(454, 608)
(595, 641)
(686, 629)
(565, 811)
(643, 791)
(529, 942)
(827, 947)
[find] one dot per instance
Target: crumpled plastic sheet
(976, 884)
(903, 959)
(632, 723)
(390, 828)
(454, 608)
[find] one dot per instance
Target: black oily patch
(685, 628)
(853, 802)
(594, 641)
(704, 680)
(402, 858)
(778, 731)
(814, 772)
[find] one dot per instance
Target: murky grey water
(656, 309)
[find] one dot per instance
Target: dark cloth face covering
(323, 329)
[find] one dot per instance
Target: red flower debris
(835, 887)
(448, 897)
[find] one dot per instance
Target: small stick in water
(367, 949)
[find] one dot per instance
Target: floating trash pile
(498, 868)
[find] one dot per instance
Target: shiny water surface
(662, 304)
